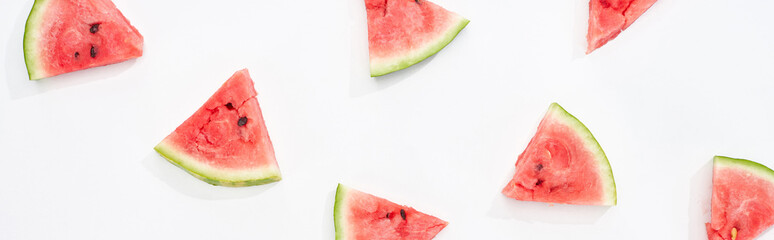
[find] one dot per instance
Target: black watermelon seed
(388, 215)
(539, 182)
(77, 54)
(94, 28)
(539, 167)
(417, 1)
(403, 214)
(93, 51)
(229, 106)
(242, 121)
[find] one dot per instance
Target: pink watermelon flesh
(62, 36)
(404, 32)
(563, 163)
(607, 18)
(362, 216)
(225, 142)
(742, 199)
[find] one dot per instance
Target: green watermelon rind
(605, 171)
(338, 211)
(758, 169)
(391, 65)
(218, 177)
(34, 70)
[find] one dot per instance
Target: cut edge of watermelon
(591, 144)
(214, 176)
(34, 70)
(338, 208)
(389, 65)
(752, 167)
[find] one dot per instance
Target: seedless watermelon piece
(742, 199)
(225, 142)
(362, 216)
(63, 36)
(402, 33)
(563, 163)
(607, 18)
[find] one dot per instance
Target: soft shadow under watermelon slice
(225, 142)
(742, 199)
(402, 33)
(63, 36)
(362, 216)
(563, 163)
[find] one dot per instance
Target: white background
(689, 80)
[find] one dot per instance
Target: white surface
(689, 80)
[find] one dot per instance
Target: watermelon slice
(362, 216)
(563, 163)
(62, 36)
(607, 18)
(225, 142)
(402, 33)
(742, 199)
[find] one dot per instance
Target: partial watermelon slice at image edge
(402, 33)
(379, 218)
(607, 19)
(752, 214)
(50, 24)
(380, 67)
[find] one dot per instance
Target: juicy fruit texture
(225, 142)
(362, 216)
(742, 199)
(607, 18)
(563, 163)
(62, 36)
(402, 33)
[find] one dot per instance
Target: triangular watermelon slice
(362, 216)
(62, 36)
(742, 199)
(563, 163)
(225, 142)
(607, 18)
(402, 33)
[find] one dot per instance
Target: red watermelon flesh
(563, 163)
(742, 199)
(607, 18)
(362, 216)
(63, 36)
(225, 142)
(404, 32)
